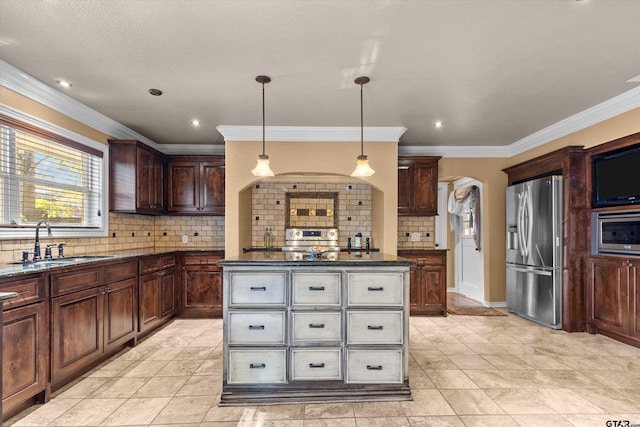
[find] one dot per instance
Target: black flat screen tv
(616, 178)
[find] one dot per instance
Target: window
(45, 176)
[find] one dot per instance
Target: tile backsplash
(130, 232)
(268, 208)
(424, 226)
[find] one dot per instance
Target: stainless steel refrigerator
(534, 250)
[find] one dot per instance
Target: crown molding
(617, 105)
(454, 151)
(34, 89)
(311, 133)
(26, 85)
(192, 149)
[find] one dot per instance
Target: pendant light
(262, 168)
(362, 164)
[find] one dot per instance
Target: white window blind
(44, 176)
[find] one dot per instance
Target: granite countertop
(8, 269)
(335, 259)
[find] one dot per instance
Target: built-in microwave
(616, 232)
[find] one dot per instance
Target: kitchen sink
(61, 261)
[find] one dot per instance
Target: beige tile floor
(464, 371)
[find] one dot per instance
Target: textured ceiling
(493, 71)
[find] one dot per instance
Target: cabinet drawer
(149, 264)
(316, 327)
(316, 364)
(78, 280)
(257, 288)
(201, 259)
(374, 366)
(121, 271)
(316, 288)
(257, 327)
(167, 261)
(29, 290)
(257, 367)
(374, 327)
(381, 289)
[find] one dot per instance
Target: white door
(469, 266)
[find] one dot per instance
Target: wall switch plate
(415, 237)
(185, 239)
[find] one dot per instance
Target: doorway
(468, 254)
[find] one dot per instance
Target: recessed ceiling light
(195, 122)
(438, 124)
(155, 92)
(64, 83)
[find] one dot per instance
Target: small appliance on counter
(534, 250)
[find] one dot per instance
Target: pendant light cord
(263, 118)
(361, 123)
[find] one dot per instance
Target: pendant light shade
(262, 168)
(362, 163)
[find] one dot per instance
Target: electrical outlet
(185, 239)
(415, 237)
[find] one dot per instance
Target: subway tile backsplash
(130, 232)
(268, 208)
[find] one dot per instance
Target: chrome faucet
(36, 249)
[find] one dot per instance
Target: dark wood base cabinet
(201, 294)
(90, 324)
(158, 291)
(25, 347)
(614, 298)
(428, 282)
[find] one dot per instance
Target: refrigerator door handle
(530, 270)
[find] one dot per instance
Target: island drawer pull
(375, 328)
(256, 327)
(316, 288)
(316, 325)
(316, 365)
(374, 368)
(378, 288)
(257, 366)
(258, 288)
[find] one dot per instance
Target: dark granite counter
(337, 259)
(18, 268)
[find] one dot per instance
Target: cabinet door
(433, 290)
(167, 292)
(634, 307)
(76, 332)
(145, 185)
(609, 290)
(202, 291)
(149, 300)
(212, 175)
(183, 191)
(415, 277)
(120, 309)
(425, 188)
(405, 187)
(24, 354)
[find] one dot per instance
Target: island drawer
(257, 327)
(374, 327)
(316, 288)
(374, 366)
(375, 289)
(257, 366)
(257, 288)
(316, 364)
(316, 327)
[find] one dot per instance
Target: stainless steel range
(299, 240)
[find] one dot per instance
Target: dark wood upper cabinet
(196, 185)
(418, 186)
(136, 177)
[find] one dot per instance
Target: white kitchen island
(317, 330)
